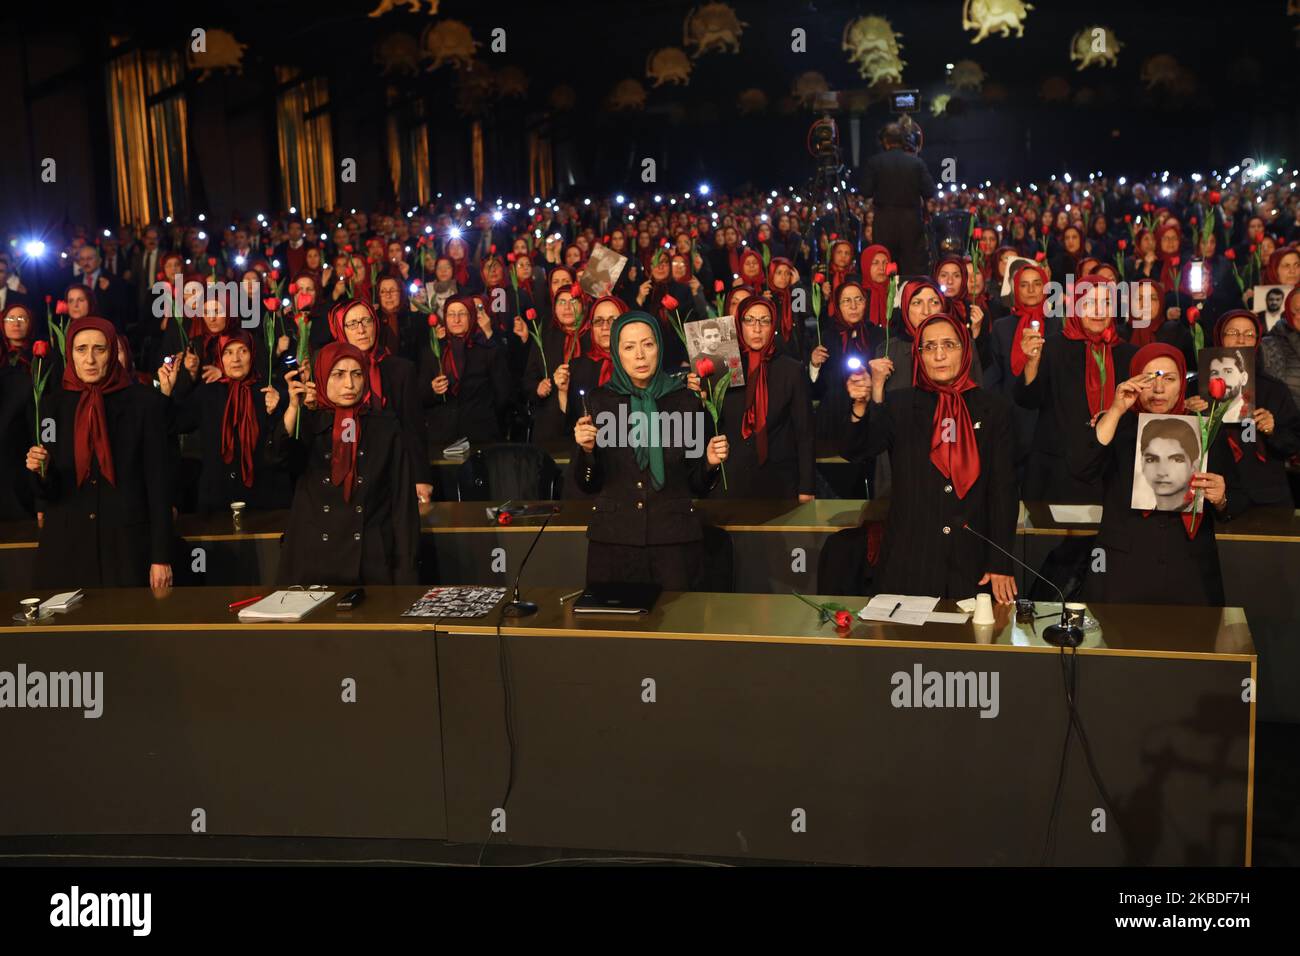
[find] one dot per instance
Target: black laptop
(617, 599)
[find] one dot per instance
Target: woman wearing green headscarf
(644, 451)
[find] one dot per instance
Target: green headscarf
(643, 399)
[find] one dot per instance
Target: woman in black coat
(667, 300)
(643, 526)
(393, 384)
(353, 519)
(1165, 555)
(562, 341)
(791, 335)
(106, 490)
(1261, 449)
(848, 336)
(466, 392)
(768, 420)
(1069, 379)
(949, 445)
(588, 372)
(233, 419)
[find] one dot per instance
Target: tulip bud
(1217, 388)
(704, 367)
(843, 620)
(531, 315)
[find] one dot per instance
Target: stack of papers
(898, 609)
(1076, 514)
(61, 602)
(285, 606)
(458, 450)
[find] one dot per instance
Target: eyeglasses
(1248, 335)
(356, 324)
(947, 345)
(602, 323)
(755, 323)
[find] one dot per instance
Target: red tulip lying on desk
(830, 611)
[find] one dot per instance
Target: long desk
(720, 725)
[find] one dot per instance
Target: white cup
(983, 609)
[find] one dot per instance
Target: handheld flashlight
(853, 364)
(582, 394)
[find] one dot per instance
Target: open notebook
(285, 606)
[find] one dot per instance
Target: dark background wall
(1244, 61)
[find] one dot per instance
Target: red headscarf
(572, 333)
(909, 291)
(378, 352)
(1098, 348)
(954, 303)
(1275, 260)
(856, 333)
(594, 351)
(782, 297)
(91, 428)
(755, 420)
(343, 454)
(1169, 273)
(460, 264)
(835, 274)
(1146, 336)
(1025, 314)
(759, 279)
(958, 461)
(1287, 314)
(455, 346)
(483, 273)
(239, 417)
(878, 292)
(22, 351)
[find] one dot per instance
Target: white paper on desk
(883, 615)
(290, 605)
(904, 602)
(966, 604)
(1076, 514)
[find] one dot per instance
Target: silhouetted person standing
(899, 183)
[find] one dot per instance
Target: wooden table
(718, 725)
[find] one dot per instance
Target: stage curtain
(147, 117)
(305, 141)
(476, 158)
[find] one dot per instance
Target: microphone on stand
(516, 607)
(1063, 634)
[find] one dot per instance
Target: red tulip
(531, 315)
(1123, 244)
(41, 348)
(834, 236)
(371, 260)
(843, 620)
(492, 249)
(605, 240)
(1215, 196)
(1175, 261)
(1218, 388)
(575, 290)
(1128, 218)
(348, 273)
(212, 260)
(977, 232)
(303, 300)
(160, 277)
(271, 303)
(1039, 256)
(1253, 247)
(1108, 335)
(275, 275)
(269, 251)
(704, 367)
(347, 249)
(1192, 220)
(819, 277)
(61, 308)
(668, 302)
(49, 299)
(695, 233)
(891, 269)
(433, 321)
(510, 257)
(1230, 255)
(718, 285)
(505, 517)
(1193, 313)
(418, 283)
(293, 288)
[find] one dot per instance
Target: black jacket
(999, 378)
(474, 412)
(402, 397)
(791, 456)
(100, 534)
(925, 550)
(626, 509)
(372, 539)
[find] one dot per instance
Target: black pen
(896, 607)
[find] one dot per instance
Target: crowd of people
(321, 363)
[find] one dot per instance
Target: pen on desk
(244, 603)
(573, 595)
(896, 607)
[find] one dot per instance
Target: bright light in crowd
(415, 288)
(496, 216)
(1123, 181)
(201, 217)
(428, 230)
(239, 260)
(203, 235)
(34, 249)
(658, 198)
(586, 202)
(293, 210)
(619, 199)
(704, 189)
(455, 233)
(1164, 191)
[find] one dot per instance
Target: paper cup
(983, 609)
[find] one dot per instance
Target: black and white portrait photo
(1168, 453)
(716, 339)
(1267, 301)
(602, 271)
(1236, 367)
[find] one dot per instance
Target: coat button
(362, 453)
(325, 508)
(360, 479)
(947, 530)
(91, 516)
(356, 536)
(324, 537)
(232, 474)
(593, 507)
(325, 480)
(947, 488)
(639, 485)
(358, 509)
(640, 505)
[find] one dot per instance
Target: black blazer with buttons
(626, 508)
(372, 539)
(925, 550)
(401, 396)
(100, 534)
(791, 456)
(220, 482)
